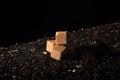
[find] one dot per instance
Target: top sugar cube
(61, 37)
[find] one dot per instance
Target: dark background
(28, 21)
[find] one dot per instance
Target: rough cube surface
(57, 51)
(50, 45)
(61, 37)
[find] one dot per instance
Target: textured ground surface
(92, 54)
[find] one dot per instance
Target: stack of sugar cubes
(57, 46)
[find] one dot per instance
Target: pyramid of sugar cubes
(56, 47)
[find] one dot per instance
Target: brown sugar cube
(50, 45)
(61, 37)
(57, 51)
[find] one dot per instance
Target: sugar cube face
(50, 45)
(61, 37)
(57, 51)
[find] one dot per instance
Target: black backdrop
(25, 21)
